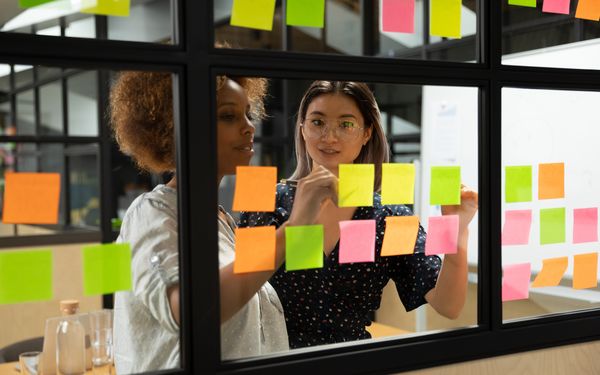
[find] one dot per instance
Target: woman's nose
(329, 134)
(248, 127)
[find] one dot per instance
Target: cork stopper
(69, 307)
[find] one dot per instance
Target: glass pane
(345, 298)
(51, 109)
(85, 186)
(83, 104)
(550, 180)
(349, 30)
(23, 75)
(532, 37)
(26, 113)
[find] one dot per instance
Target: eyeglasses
(345, 130)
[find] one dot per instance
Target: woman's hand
(312, 190)
(467, 208)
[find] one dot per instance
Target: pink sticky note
(357, 241)
(585, 225)
(515, 281)
(398, 16)
(517, 225)
(442, 235)
(556, 6)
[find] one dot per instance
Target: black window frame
(195, 63)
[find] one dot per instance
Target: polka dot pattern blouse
(333, 304)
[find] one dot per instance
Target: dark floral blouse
(334, 303)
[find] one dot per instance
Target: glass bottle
(70, 341)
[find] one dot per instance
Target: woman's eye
(347, 124)
(227, 117)
(317, 122)
(250, 116)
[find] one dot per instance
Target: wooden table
(10, 369)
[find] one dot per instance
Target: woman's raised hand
(312, 190)
(467, 208)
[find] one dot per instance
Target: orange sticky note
(551, 181)
(254, 249)
(255, 189)
(400, 235)
(588, 10)
(585, 271)
(552, 271)
(31, 198)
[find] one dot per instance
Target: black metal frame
(195, 63)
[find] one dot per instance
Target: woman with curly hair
(147, 318)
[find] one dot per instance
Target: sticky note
(356, 185)
(31, 198)
(445, 18)
(303, 247)
(552, 271)
(556, 6)
(551, 181)
(442, 235)
(106, 268)
(309, 13)
(118, 8)
(585, 271)
(400, 235)
(253, 14)
(515, 281)
(523, 3)
(398, 183)
(588, 10)
(255, 189)
(517, 226)
(398, 16)
(552, 225)
(445, 186)
(32, 3)
(357, 241)
(585, 225)
(25, 276)
(254, 249)
(517, 185)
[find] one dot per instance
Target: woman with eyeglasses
(340, 123)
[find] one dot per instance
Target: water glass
(30, 362)
(102, 342)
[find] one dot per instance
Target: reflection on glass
(83, 104)
(85, 185)
(336, 302)
(147, 22)
(553, 229)
(51, 109)
(26, 118)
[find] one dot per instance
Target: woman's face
(334, 131)
(235, 131)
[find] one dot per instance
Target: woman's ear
(302, 131)
(368, 134)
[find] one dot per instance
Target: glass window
(51, 108)
(83, 104)
(26, 117)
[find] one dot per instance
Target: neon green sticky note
(552, 225)
(32, 3)
(303, 247)
(106, 7)
(445, 18)
(25, 276)
(305, 13)
(517, 187)
(254, 14)
(523, 3)
(445, 185)
(398, 183)
(106, 268)
(356, 185)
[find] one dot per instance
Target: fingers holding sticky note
(255, 189)
(31, 198)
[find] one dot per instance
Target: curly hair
(141, 115)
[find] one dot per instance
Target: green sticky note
(445, 186)
(398, 183)
(552, 225)
(517, 187)
(523, 3)
(106, 7)
(445, 18)
(25, 276)
(32, 3)
(305, 13)
(254, 14)
(106, 268)
(303, 247)
(356, 185)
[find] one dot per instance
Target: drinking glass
(102, 342)
(29, 362)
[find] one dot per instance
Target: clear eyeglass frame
(339, 131)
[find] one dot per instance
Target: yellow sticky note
(552, 271)
(254, 249)
(356, 185)
(31, 198)
(585, 271)
(255, 189)
(106, 7)
(400, 235)
(398, 183)
(254, 14)
(445, 18)
(551, 181)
